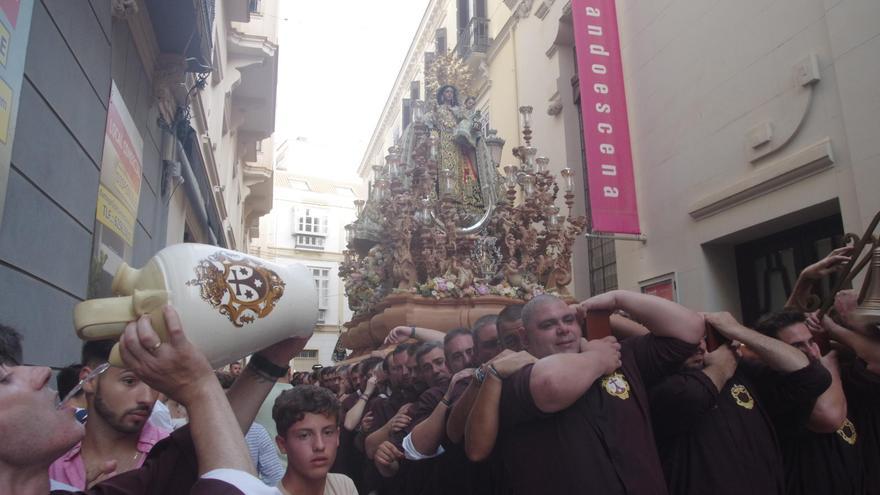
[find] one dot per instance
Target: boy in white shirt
(307, 420)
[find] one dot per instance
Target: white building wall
(700, 76)
(277, 242)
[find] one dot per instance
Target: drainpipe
(173, 154)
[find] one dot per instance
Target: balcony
(474, 38)
(184, 28)
(257, 158)
(309, 242)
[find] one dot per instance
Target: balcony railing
(474, 38)
(311, 242)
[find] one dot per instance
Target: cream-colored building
(184, 89)
(754, 131)
(307, 226)
(234, 118)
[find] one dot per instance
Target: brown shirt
(201, 487)
(725, 443)
(383, 409)
(349, 402)
(420, 477)
(602, 443)
(458, 474)
(862, 389)
(171, 467)
(421, 409)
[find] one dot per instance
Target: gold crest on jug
(241, 288)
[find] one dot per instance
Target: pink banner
(606, 127)
(11, 8)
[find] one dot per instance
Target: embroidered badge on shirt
(742, 396)
(847, 432)
(615, 384)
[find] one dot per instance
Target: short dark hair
(483, 321)
(293, 404)
(386, 364)
(95, 352)
(226, 380)
(770, 324)
(10, 346)
(533, 304)
(298, 378)
(370, 363)
(67, 378)
(426, 348)
(511, 313)
(456, 333)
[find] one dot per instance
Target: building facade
(141, 125)
(753, 129)
(307, 226)
(754, 141)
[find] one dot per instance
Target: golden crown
(448, 70)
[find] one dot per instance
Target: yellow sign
(120, 170)
(4, 44)
(113, 213)
(5, 110)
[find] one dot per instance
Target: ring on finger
(155, 347)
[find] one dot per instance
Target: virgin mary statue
(461, 149)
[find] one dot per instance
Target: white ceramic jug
(230, 304)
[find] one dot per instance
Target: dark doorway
(768, 267)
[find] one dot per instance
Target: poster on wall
(118, 195)
(120, 188)
(15, 25)
(663, 286)
(609, 168)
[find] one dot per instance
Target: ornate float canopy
(442, 221)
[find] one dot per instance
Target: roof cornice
(414, 58)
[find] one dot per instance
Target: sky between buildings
(337, 64)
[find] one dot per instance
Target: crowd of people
(673, 401)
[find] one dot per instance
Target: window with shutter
(321, 276)
(310, 229)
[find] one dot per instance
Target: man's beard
(115, 421)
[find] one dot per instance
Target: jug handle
(106, 318)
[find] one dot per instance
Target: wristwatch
(265, 367)
(494, 371)
(479, 375)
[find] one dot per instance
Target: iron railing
(474, 38)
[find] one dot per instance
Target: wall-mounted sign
(120, 188)
(663, 286)
(15, 25)
(119, 193)
(611, 184)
